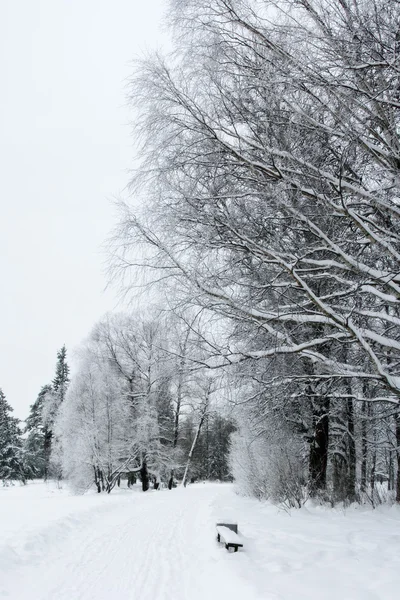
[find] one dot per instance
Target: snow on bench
(229, 537)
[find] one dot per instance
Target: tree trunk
(351, 452)
(196, 437)
(339, 477)
(398, 457)
(144, 475)
(97, 480)
(47, 451)
(182, 365)
(391, 482)
(373, 453)
(189, 460)
(318, 459)
(372, 475)
(364, 447)
(101, 478)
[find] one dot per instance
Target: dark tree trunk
(97, 480)
(47, 451)
(339, 477)
(144, 475)
(178, 404)
(398, 457)
(373, 453)
(372, 475)
(318, 459)
(391, 483)
(101, 478)
(351, 452)
(364, 447)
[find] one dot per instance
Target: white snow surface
(162, 546)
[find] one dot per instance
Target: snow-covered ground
(161, 546)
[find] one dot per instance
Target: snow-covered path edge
(158, 545)
(161, 546)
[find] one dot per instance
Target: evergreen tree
(34, 446)
(61, 380)
(11, 461)
(52, 403)
(218, 433)
(211, 455)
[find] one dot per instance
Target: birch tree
(203, 411)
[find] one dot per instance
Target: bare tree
(118, 417)
(270, 180)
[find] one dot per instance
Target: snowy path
(157, 546)
(161, 546)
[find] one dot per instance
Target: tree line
(133, 410)
(268, 198)
(265, 212)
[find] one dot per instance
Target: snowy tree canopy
(270, 194)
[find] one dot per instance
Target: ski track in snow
(157, 546)
(162, 546)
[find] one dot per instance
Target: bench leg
(218, 538)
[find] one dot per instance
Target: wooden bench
(229, 537)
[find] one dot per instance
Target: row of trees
(25, 452)
(270, 200)
(135, 408)
(269, 209)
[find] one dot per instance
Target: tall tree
(34, 444)
(270, 191)
(11, 458)
(206, 389)
(61, 379)
(118, 416)
(52, 402)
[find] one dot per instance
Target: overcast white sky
(65, 150)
